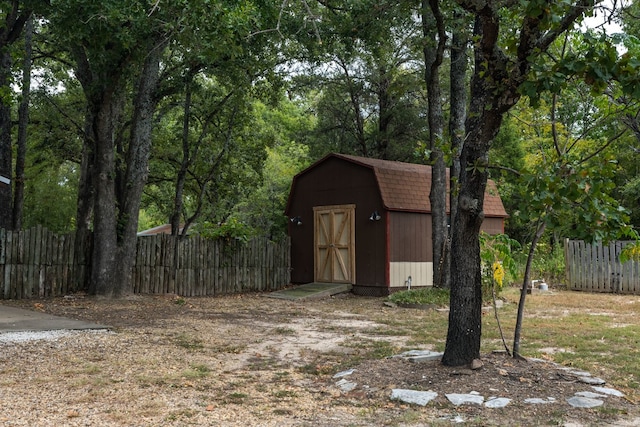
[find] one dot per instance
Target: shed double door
(334, 241)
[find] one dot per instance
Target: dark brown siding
(337, 182)
(410, 237)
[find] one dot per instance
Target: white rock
(411, 353)
(584, 402)
(462, 399)
(345, 385)
(498, 402)
(413, 396)
(421, 355)
(456, 420)
(591, 380)
(609, 391)
(344, 373)
(580, 373)
(589, 394)
(538, 401)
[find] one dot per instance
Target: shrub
(436, 296)
(230, 230)
(548, 263)
(498, 263)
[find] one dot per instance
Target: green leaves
(593, 58)
(574, 198)
(497, 256)
(228, 231)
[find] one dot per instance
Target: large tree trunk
(137, 170)
(457, 117)
(23, 121)
(184, 164)
(482, 125)
(103, 264)
(494, 90)
(85, 203)
(385, 101)
(433, 31)
(6, 153)
(103, 92)
(14, 21)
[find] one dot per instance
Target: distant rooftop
(161, 229)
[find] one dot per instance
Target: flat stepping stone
(463, 399)
(580, 373)
(584, 402)
(591, 380)
(421, 355)
(497, 402)
(344, 373)
(345, 385)
(413, 396)
(609, 391)
(411, 353)
(539, 401)
(426, 358)
(590, 394)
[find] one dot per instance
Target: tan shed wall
(421, 274)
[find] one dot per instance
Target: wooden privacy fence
(597, 268)
(207, 267)
(37, 262)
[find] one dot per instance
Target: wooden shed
(367, 222)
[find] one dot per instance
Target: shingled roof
(406, 186)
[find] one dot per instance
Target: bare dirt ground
(256, 361)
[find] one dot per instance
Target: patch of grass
(420, 327)
(317, 369)
(361, 350)
(368, 412)
(188, 342)
(382, 349)
(236, 398)
(411, 416)
(283, 375)
(386, 331)
(598, 333)
(611, 412)
(184, 413)
(435, 296)
(91, 369)
(196, 371)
